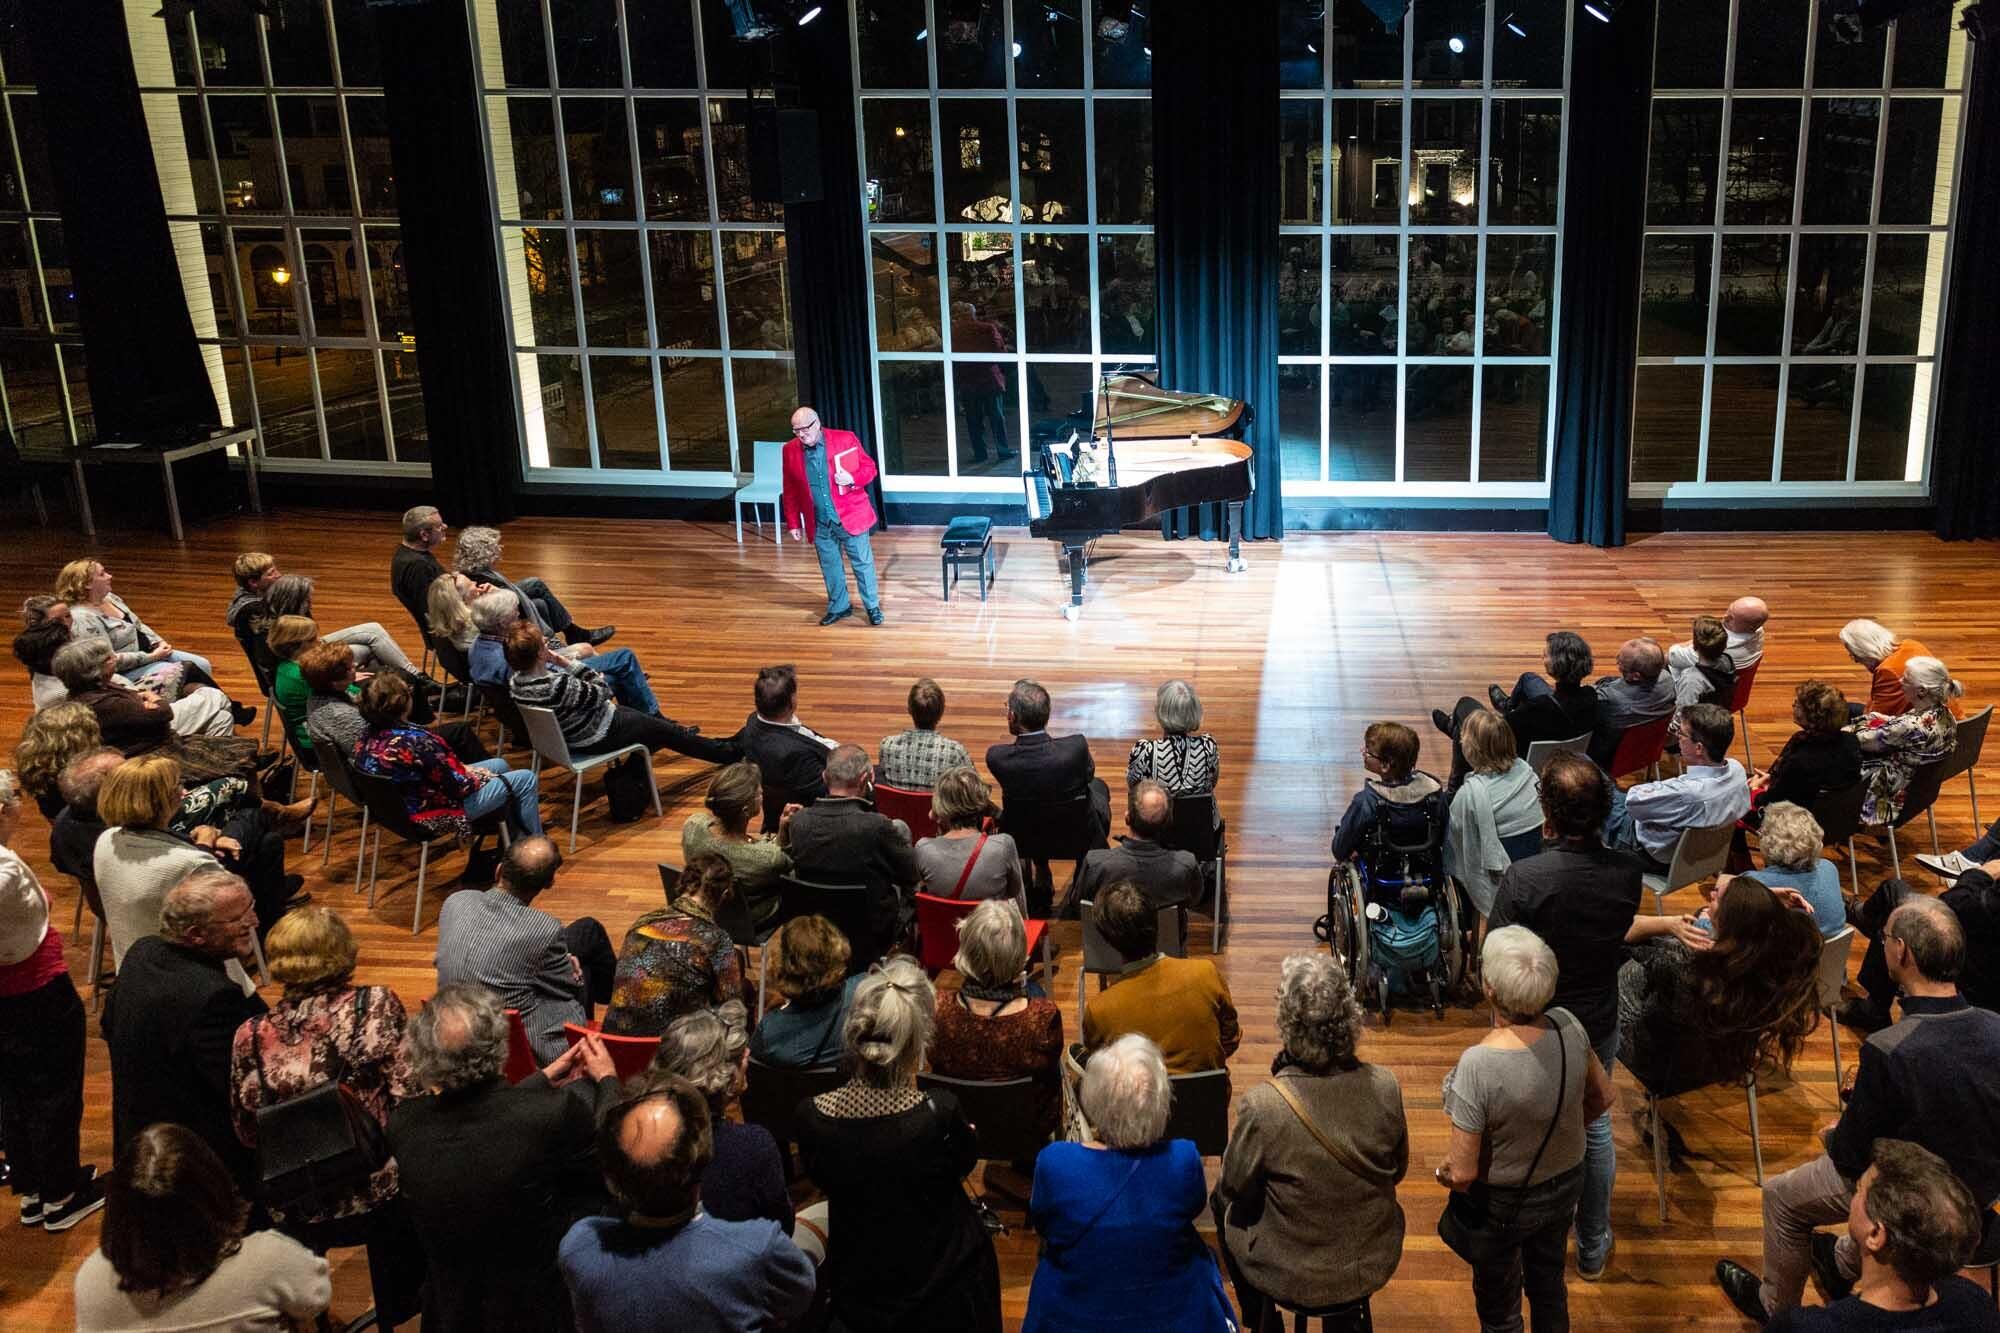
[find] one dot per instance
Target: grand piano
(1136, 452)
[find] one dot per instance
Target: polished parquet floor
(1322, 635)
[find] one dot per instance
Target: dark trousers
(629, 726)
(1869, 918)
(463, 738)
(590, 945)
(41, 1087)
(395, 1255)
(1522, 1248)
(261, 863)
(547, 605)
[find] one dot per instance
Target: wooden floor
(1292, 659)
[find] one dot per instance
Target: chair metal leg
(374, 867)
(326, 843)
(1833, 1027)
(423, 864)
(1972, 786)
(1853, 868)
(1659, 1154)
(1895, 854)
(76, 926)
(738, 507)
(1744, 718)
(1756, 1142)
(312, 790)
(575, 806)
(257, 952)
(41, 505)
(361, 852)
(265, 744)
(763, 976)
(1221, 901)
(96, 962)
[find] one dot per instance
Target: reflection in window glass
(989, 417)
(1666, 423)
(524, 60)
(1056, 389)
(1680, 185)
(1437, 423)
(1763, 158)
(1300, 180)
(283, 376)
(34, 401)
(333, 281)
(21, 304)
(1910, 163)
(970, 43)
(391, 282)
(1826, 311)
(684, 289)
(614, 294)
(353, 404)
(296, 37)
(1052, 162)
(767, 389)
(236, 386)
(1513, 422)
(1366, 51)
(587, 54)
(1843, 64)
(1520, 276)
(1302, 64)
(64, 315)
(756, 290)
(621, 398)
(894, 43)
(1367, 163)
(1298, 422)
(981, 274)
(1673, 296)
(1523, 175)
(1048, 43)
(897, 146)
(670, 159)
(1364, 295)
(662, 43)
(975, 157)
(267, 277)
(1770, 43)
(1125, 296)
(1750, 311)
(1444, 156)
(248, 155)
(1124, 160)
(697, 418)
(1449, 43)
(227, 37)
(1441, 320)
(360, 58)
(1887, 395)
(315, 155)
(32, 141)
(1121, 50)
(906, 292)
(529, 158)
(545, 260)
(1923, 49)
(729, 132)
(1743, 417)
(408, 425)
(1361, 427)
(1840, 159)
(558, 428)
(1895, 311)
(913, 418)
(1819, 408)
(600, 158)
(1536, 59)
(201, 169)
(368, 123)
(221, 286)
(1055, 280)
(1298, 305)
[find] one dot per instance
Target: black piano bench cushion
(966, 530)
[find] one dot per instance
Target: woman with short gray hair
(906, 1252)
(1116, 1212)
(1519, 1100)
(995, 1026)
(1306, 1207)
(1894, 748)
(1792, 842)
(745, 1179)
(1185, 759)
(477, 556)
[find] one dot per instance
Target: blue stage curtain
(1215, 174)
(1965, 463)
(1603, 236)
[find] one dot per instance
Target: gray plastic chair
(1964, 758)
(1103, 960)
(547, 740)
(767, 478)
(1833, 955)
(1698, 854)
(1539, 752)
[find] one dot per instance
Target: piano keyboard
(1036, 484)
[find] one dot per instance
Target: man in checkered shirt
(913, 759)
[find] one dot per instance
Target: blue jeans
(514, 788)
(829, 540)
(1600, 1168)
(1987, 847)
(620, 667)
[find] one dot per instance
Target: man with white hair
(477, 556)
(1744, 621)
(1885, 653)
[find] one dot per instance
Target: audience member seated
(414, 567)
(1893, 748)
(1557, 708)
(1927, 1079)
(1306, 1207)
(1886, 656)
(1822, 756)
(50, 740)
(74, 833)
(964, 860)
(138, 859)
(670, 1262)
(1913, 1226)
(1711, 790)
(495, 1174)
(45, 627)
(249, 615)
(1974, 898)
(85, 667)
(477, 556)
(913, 759)
(1116, 1212)
(1640, 693)
(1708, 676)
(137, 723)
(710, 1048)
(174, 1253)
(1168, 877)
(333, 719)
(1792, 843)
(994, 1026)
(448, 612)
(1182, 1004)
(906, 1251)
(1185, 759)
(808, 966)
(441, 796)
(1396, 794)
(758, 861)
(676, 959)
(328, 1028)
(96, 612)
(494, 613)
(839, 839)
(41, 1046)
(1036, 766)
(171, 1018)
(588, 711)
(550, 972)
(1984, 848)
(1496, 815)
(1743, 631)
(374, 648)
(1526, 1165)
(790, 756)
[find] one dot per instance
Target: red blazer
(850, 503)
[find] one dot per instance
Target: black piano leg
(1076, 579)
(1236, 562)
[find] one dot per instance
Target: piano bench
(967, 540)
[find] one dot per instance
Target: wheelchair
(1395, 919)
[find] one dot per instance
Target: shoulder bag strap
(958, 889)
(1562, 1095)
(1339, 1151)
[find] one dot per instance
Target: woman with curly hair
(710, 1048)
(52, 738)
(1821, 756)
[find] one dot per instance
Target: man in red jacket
(825, 498)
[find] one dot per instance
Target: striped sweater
(582, 702)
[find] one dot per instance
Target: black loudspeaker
(784, 155)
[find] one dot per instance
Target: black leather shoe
(1498, 697)
(1743, 1288)
(1826, 1268)
(875, 616)
(1441, 720)
(831, 616)
(601, 635)
(243, 714)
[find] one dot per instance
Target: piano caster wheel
(1238, 565)
(1072, 612)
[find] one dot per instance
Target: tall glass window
(1007, 164)
(1420, 170)
(46, 397)
(647, 289)
(1798, 193)
(272, 144)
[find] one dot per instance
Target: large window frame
(49, 413)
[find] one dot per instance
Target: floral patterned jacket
(1893, 748)
(434, 784)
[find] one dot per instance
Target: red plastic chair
(521, 1060)
(629, 1055)
(937, 931)
(1640, 747)
(912, 807)
(1740, 701)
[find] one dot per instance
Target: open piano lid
(1135, 408)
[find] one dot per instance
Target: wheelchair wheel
(1451, 938)
(1356, 905)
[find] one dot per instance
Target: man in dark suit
(495, 1174)
(175, 1011)
(839, 839)
(790, 756)
(1041, 767)
(1166, 877)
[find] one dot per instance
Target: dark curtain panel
(463, 340)
(145, 369)
(1604, 217)
(1966, 449)
(1215, 172)
(826, 258)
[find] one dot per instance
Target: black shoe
(593, 637)
(875, 616)
(1826, 1269)
(1744, 1290)
(266, 758)
(1499, 698)
(1861, 1015)
(243, 714)
(480, 868)
(85, 1199)
(832, 616)
(1441, 720)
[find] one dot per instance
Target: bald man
(1744, 620)
(667, 1265)
(1166, 877)
(824, 500)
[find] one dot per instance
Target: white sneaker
(1949, 866)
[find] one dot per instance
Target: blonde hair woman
(51, 738)
(1496, 817)
(993, 1026)
(137, 859)
(97, 612)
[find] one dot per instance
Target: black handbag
(1466, 1225)
(320, 1148)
